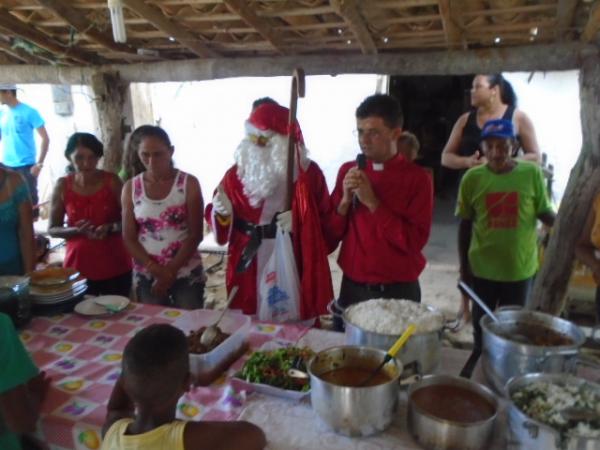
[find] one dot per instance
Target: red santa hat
(272, 118)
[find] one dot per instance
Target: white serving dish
(235, 324)
(267, 389)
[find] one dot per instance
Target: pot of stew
(528, 341)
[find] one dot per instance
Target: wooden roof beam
(563, 56)
(565, 13)
(348, 10)
(241, 8)
(13, 26)
(76, 20)
(21, 54)
(171, 29)
(593, 24)
(454, 35)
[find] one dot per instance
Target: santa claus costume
(254, 191)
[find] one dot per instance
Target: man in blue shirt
(17, 122)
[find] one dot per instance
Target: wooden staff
(297, 91)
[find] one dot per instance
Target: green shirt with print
(16, 368)
(504, 209)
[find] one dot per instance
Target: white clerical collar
(377, 167)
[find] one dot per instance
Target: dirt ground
(438, 280)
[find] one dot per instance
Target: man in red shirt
(384, 211)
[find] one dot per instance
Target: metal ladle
(391, 352)
(473, 296)
(210, 333)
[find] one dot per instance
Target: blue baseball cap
(500, 128)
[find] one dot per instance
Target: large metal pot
(354, 411)
(503, 358)
(14, 298)
(530, 433)
(437, 433)
(422, 349)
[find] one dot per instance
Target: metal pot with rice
(379, 322)
(554, 411)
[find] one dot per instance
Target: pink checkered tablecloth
(83, 357)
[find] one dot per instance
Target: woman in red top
(90, 197)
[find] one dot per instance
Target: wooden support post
(109, 98)
(584, 181)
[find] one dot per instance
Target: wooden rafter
(348, 10)
(171, 29)
(17, 53)
(453, 32)
(593, 24)
(241, 8)
(13, 26)
(25, 56)
(76, 20)
(565, 13)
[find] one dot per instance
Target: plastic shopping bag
(279, 287)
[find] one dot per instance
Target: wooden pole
(298, 89)
(553, 278)
(109, 99)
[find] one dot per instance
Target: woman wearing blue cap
(499, 203)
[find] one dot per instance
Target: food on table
(271, 367)
(195, 346)
(532, 334)
(391, 316)
(453, 403)
(355, 376)
(53, 275)
(544, 401)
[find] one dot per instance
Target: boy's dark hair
(260, 101)
(155, 364)
(507, 93)
(86, 140)
(384, 106)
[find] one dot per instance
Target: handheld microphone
(361, 163)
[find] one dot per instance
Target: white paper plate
(93, 306)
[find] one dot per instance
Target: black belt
(256, 233)
(380, 287)
(261, 231)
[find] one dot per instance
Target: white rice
(545, 401)
(392, 316)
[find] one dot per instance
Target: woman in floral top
(162, 226)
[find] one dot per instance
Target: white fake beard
(263, 169)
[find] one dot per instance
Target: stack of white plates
(58, 293)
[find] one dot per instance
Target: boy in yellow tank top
(141, 409)
(588, 248)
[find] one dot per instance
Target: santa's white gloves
(284, 221)
(221, 203)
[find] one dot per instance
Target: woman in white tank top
(162, 226)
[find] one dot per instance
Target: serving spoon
(577, 414)
(210, 333)
(391, 352)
